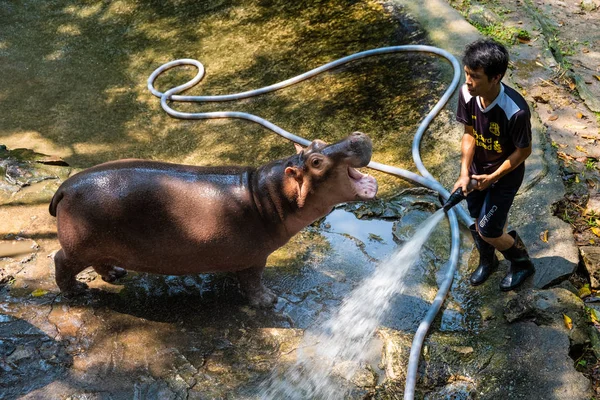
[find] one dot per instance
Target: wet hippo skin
(178, 219)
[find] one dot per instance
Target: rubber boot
(521, 266)
(488, 262)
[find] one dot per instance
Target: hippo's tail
(55, 199)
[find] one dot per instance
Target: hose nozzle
(458, 196)
(454, 199)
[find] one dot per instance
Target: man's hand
(462, 182)
(482, 182)
(512, 162)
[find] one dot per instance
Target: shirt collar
(496, 100)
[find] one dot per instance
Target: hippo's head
(324, 175)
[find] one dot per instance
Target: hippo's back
(114, 178)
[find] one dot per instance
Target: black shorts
(490, 207)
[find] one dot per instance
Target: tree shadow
(82, 69)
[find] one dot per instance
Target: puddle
(15, 248)
(373, 236)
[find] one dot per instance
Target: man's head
(487, 54)
(485, 63)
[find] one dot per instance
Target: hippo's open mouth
(365, 186)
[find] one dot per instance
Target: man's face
(479, 84)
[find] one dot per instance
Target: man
(496, 142)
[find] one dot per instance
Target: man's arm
(512, 162)
(467, 150)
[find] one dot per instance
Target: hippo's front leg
(251, 284)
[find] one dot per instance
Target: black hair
(487, 54)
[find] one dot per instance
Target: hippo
(174, 219)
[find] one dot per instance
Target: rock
(463, 349)
(548, 307)
(536, 358)
(396, 207)
(39, 173)
(483, 16)
(554, 260)
(21, 353)
(589, 5)
(594, 340)
(151, 388)
(29, 359)
(544, 307)
(360, 377)
(568, 286)
(591, 260)
(589, 96)
(28, 155)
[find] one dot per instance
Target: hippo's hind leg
(251, 283)
(110, 273)
(65, 272)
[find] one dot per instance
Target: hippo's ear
(297, 187)
(298, 148)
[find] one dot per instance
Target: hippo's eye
(316, 162)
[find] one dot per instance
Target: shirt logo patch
(495, 128)
(497, 147)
